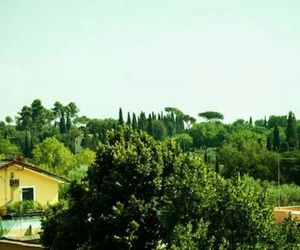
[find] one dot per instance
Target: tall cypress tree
(269, 143)
(134, 121)
(121, 121)
(291, 131)
(205, 156)
(217, 165)
(153, 115)
(68, 124)
(250, 120)
(142, 122)
(150, 126)
(62, 124)
(128, 119)
(276, 139)
(265, 122)
(27, 148)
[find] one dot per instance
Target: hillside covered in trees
(161, 180)
(256, 148)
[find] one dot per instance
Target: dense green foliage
(53, 156)
(22, 207)
(257, 148)
(144, 194)
(165, 180)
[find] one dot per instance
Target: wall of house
(10, 245)
(282, 213)
(46, 189)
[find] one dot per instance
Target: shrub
(24, 207)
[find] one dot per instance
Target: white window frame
(21, 192)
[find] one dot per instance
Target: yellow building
(20, 181)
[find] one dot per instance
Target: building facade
(20, 181)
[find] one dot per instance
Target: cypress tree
(291, 131)
(134, 121)
(150, 126)
(205, 156)
(276, 139)
(269, 143)
(27, 148)
(121, 121)
(68, 124)
(142, 122)
(265, 122)
(153, 116)
(62, 124)
(217, 166)
(250, 120)
(128, 119)
(86, 140)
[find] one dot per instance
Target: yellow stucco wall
(45, 188)
(281, 213)
(10, 245)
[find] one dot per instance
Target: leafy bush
(24, 207)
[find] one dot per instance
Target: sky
(237, 57)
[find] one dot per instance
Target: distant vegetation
(145, 181)
(255, 148)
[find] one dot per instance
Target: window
(27, 194)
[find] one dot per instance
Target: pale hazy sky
(238, 57)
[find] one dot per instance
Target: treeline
(161, 180)
(257, 148)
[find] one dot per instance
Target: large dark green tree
(142, 194)
(123, 197)
(24, 123)
(39, 115)
(70, 221)
(276, 138)
(124, 186)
